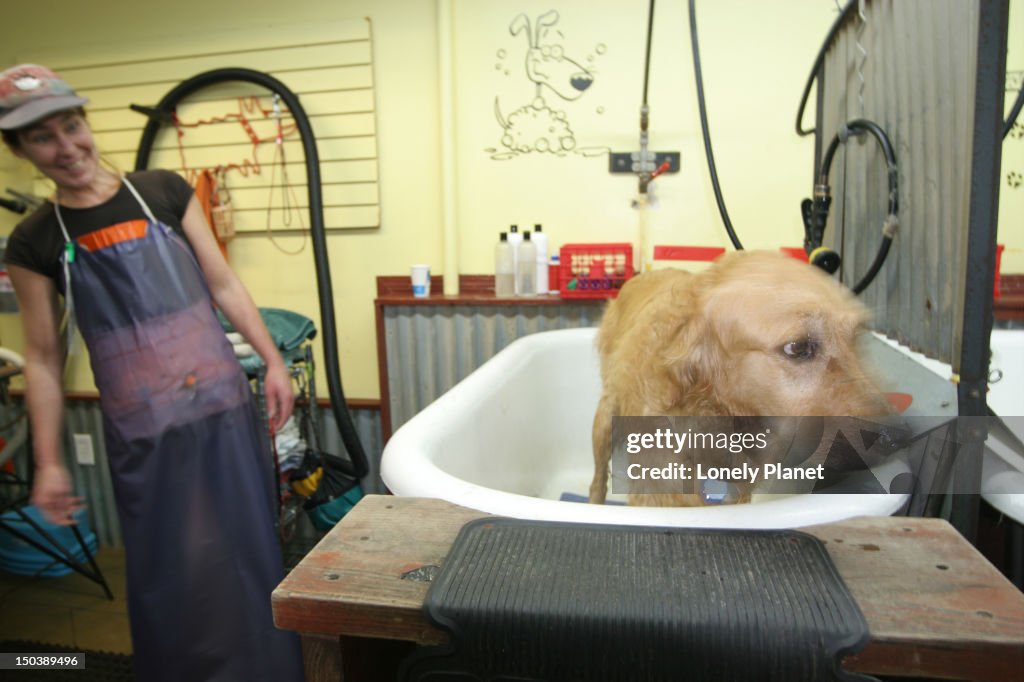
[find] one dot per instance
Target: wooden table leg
(364, 658)
(321, 656)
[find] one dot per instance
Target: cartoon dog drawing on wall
(546, 64)
(536, 127)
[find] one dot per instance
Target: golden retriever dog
(757, 333)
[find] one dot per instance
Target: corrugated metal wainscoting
(430, 348)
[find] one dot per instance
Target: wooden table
(934, 605)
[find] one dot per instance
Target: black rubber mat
(529, 601)
(100, 666)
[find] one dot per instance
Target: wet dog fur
(757, 333)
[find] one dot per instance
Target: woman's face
(63, 149)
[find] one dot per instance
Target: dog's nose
(581, 81)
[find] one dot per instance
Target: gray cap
(29, 93)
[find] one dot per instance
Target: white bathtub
(515, 434)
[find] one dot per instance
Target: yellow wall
(756, 57)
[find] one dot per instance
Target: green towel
(288, 329)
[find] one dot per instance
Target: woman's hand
(51, 494)
(277, 389)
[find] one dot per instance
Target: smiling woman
(139, 272)
(61, 147)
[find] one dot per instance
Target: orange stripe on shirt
(115, 234)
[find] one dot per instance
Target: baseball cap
(29, 92)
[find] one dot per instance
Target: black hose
(869, 276)
(856, 126)
(13, 206)
(818, 61)
(1014, 111)
(166, 106)
(704, 130)
(861, 125)
(647, 59)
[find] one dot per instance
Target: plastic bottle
(504, 268)
(514, 240)
(527, 278)
(540, 241)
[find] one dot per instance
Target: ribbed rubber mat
(531, 601)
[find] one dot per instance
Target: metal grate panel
(918, 63)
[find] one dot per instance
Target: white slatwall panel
(333, 76)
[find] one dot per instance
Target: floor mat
(531, 601)
(100, 666)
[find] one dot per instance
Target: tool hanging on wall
(212, 182)
(288, 199)
(21, 202)
(222, 211)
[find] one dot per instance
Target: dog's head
(760, 333)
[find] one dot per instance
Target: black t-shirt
(36, 242)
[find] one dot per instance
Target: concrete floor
(69, 611)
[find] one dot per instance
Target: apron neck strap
(60, 221)
(138, 197)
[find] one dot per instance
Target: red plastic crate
(594, 270)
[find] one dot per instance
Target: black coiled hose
(815, 217)
(163, 111)
(860, 126)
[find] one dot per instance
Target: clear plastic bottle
(504, 268)
(540, 241)
(515, 238)
(527, 267)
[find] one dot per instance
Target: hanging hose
(164, 109)
(818, 61)
(644, 174)
(1014, 111)
(704, 130)
(815, 212)
(647, 58)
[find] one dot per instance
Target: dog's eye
(800, 350)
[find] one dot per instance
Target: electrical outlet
(83, 449)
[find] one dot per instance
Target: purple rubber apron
(191, 470)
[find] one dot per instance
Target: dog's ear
(693, 354)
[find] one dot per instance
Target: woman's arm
(44, 366)
(236, 304)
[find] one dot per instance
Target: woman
(188, 456)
